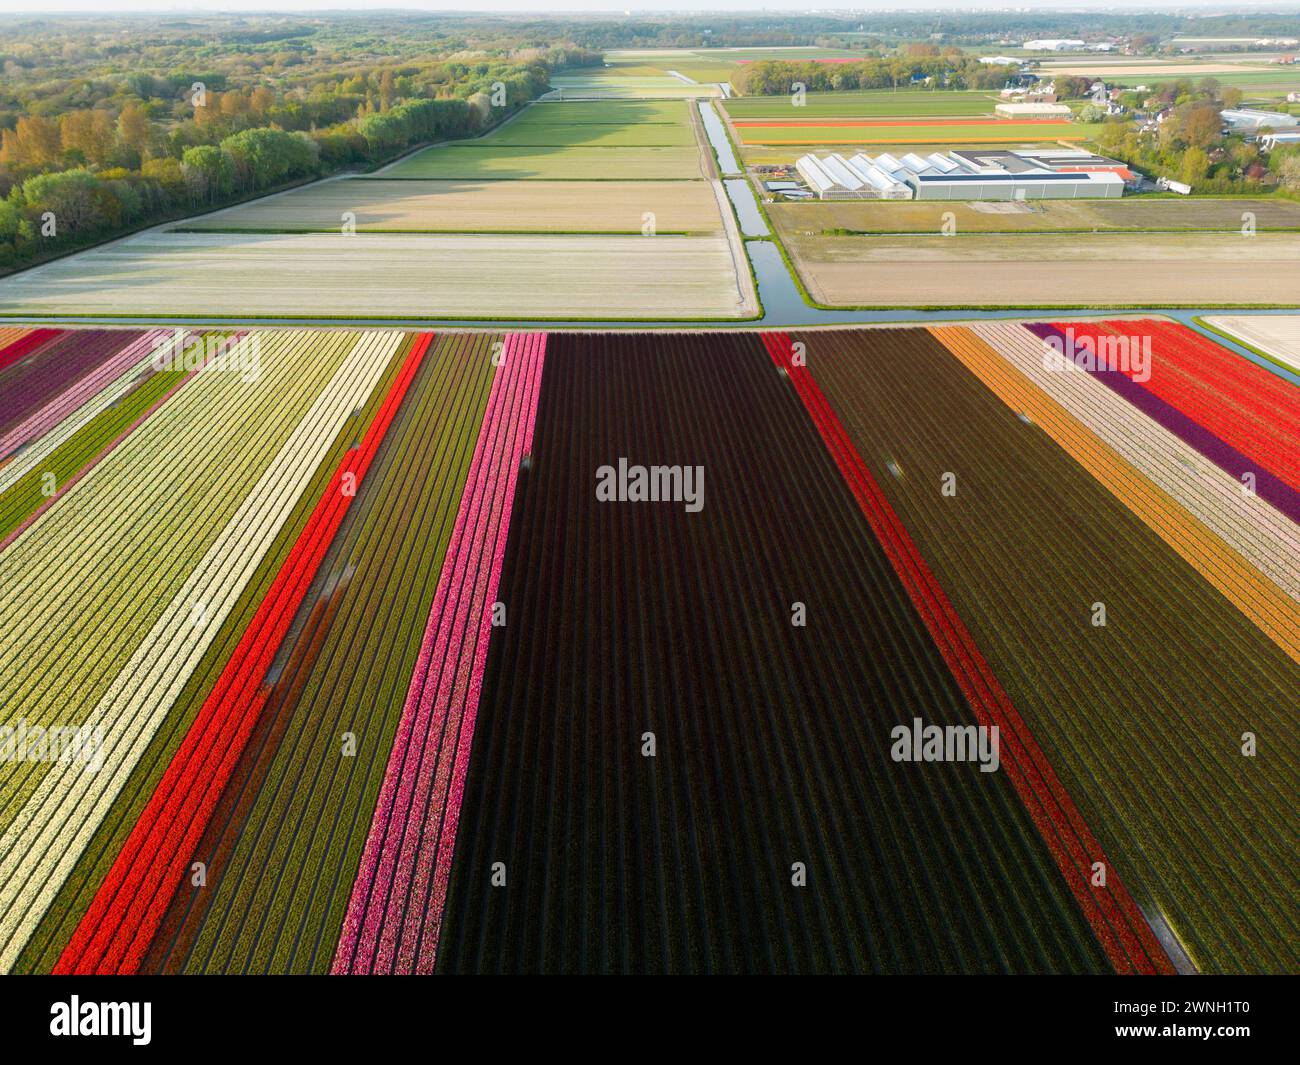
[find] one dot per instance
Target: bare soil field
(1045, 216)
(381, 275)
(1276, 335)
(1173, 70)
(1117, 269)
(481, 206)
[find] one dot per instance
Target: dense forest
(110, 124)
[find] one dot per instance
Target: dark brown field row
(772, 742)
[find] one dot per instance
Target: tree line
(148, 145)
(946, 69)
(1189, 143)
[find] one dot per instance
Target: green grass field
(1282, 80)
(606, 140)
(554, 163)
(592, 135)
(603, 113)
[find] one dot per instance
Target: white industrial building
(1053, 46)
(1032, 110)
(995, 174)
(1248, 118)
(832, 177)
(1269, 141)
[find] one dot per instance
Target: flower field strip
(1141, 718)
(1229, 394)
(131, 710)
(135, 356)
(395, 912)
(1276, 337)
(1010, 134)
(1271, 403)
(1257, 413)
(772, 740)
(55, 930)
(32, 443)
(62, 362)
(10, 334)
(109, 522)
(85, 450)
(860, 123)
(1265, 538)
(1119, 926)
(129, 907)
(21, 345)
(66, 806)
(1249, 590)
(286, 848)
(866, 105)
(1201, 352)
(1268, 485)
(70, 450)
(65, 568)
(497, 162)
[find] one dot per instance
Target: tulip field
(375, 651)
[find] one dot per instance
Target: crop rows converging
(372, 651)
(669, 774)
(1110, 629)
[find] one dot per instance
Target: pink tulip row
(395, 911)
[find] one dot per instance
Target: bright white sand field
(1274, 334)
(391, 275)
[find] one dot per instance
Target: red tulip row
(115, 932)
(1245, 406)
(1120, 927)
(24, 345)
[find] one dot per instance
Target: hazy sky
(694, 6)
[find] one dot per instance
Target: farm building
(1065, 161)
(1269, 141)
(1247, 118)
(1032, 110)
(966, 175)
(830, 178)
